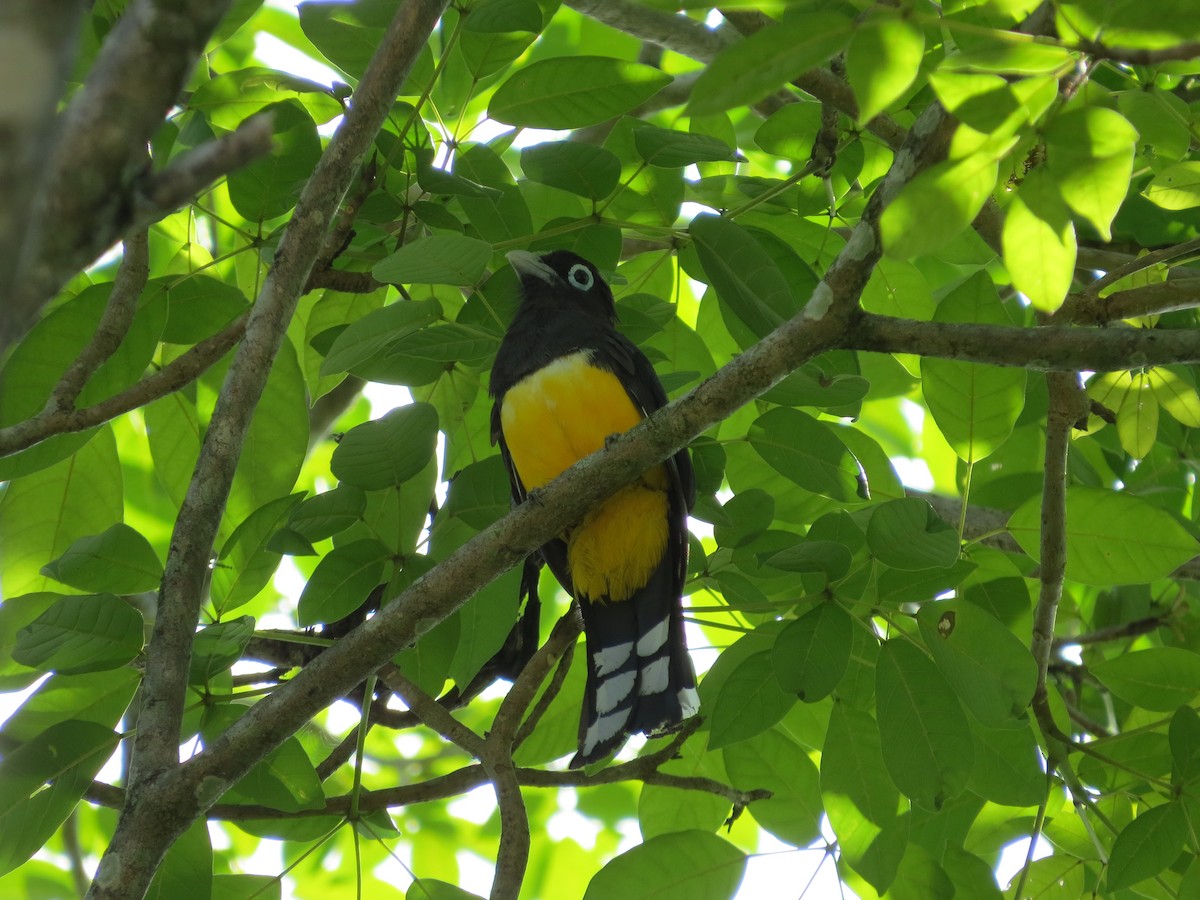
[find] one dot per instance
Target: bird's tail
(640, 677)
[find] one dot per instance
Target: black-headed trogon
(565, 380)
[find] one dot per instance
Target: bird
(564, 381)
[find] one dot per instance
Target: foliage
(953, 599)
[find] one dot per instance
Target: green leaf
(232, 97)
(186, 872)
(80, 634)
(117, 561)
(1176, 187)
(479, 494)
(747, 280)
(437, 259)
(811, 653)
(68, 756)
(341, 582)
(246, 563)
(975, 406)
(584, 169)
(860, 799)
(1012, 58)
(1089, 156)
(388, 451)
(484, 624)
(1008, 766)
(789, 131)
(882, 61)
(778, 764)
(504, 16)
(329, 513)
(1176, 395)
(936, 206)
(1137, 417)
(830, 558)
(269, 187)
(806, 451)
(1039, 242)
(574, 92)
(908, 534)
(1112, 537)
(669, 149)
(926, 741)
(371, 335)
(989, 668)
(1184, 734)
(1161, 678)
(218, 646)
(750, 69)
(1147, 845)
(694, 865)
(750, 702)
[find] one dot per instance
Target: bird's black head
(563, 279)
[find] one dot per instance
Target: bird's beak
(531, 265)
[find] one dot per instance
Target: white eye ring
(581, 277)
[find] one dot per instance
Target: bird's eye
(581, 277)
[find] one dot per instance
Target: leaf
(908, 534)
(975, 406)
(811, 653)
(1176, 187)
(246, 563)
(1177, 396)
(926, 741)
(937, 205)
(574, 92)
(269, 186)
(117, 561)
(1161, 678)
(860, 799)
(45, 512)
(989, 668)
(370, 336)
(748, 282)
(774, 762)
(388, 451)
(1184, 734)
(584, 169)
(806, 451)
(1112, 537)
(68, 755)
(341, 582)
(1089, 157)
(437, 259)
(80, 634)
(882, 61)
(1137, 417)
(329, 513)
(1147, 845)
(750, 69)
(1039, 242)
(750, 702)
(669, 149)
(694, 865)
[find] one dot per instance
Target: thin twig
(113, 326)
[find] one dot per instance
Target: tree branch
(1047, 349)
(112, 328)
(150, 821)
(37, 48)
(1067, 405)
(160, 193)
(85, 204)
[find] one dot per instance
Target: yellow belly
(556, 417)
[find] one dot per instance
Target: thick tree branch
(1141, 56)
(101, 146)
(37, 47)
(161, 193)
(151, 820)
(1048, 349)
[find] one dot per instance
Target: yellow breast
(554, 418)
